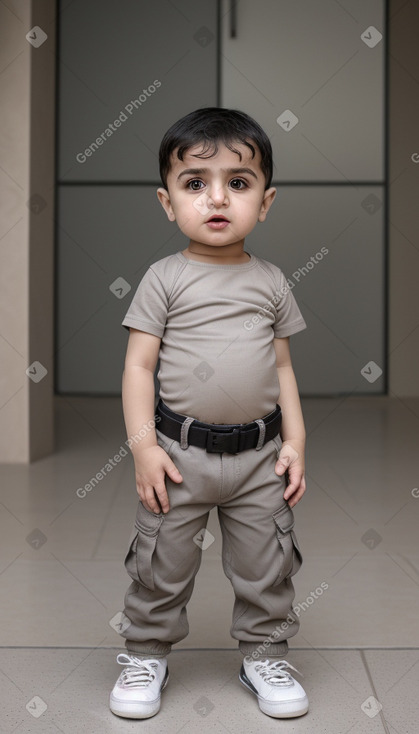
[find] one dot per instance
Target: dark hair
(210, 125)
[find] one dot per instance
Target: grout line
(369, 676)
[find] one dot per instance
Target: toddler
(227, 430)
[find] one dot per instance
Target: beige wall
(27, 89)
(26, 244)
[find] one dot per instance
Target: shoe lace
(274, 672)
(138, 672)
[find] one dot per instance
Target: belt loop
(184, 432)
(262, 432)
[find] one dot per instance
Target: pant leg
(260, 552)
(165, 554)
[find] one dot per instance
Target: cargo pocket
(138, 561)
(290, 555)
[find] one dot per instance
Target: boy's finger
(296, 489)
(294, 484)
(161, 492)
(173, 472)
(296, 498)
(280, 467)
(151, 505)
(292, 487)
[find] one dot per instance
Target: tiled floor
(62, 584)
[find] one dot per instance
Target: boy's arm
(291, 457)
(138, 398)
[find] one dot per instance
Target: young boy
(219, 319)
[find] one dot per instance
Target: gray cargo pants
(260, 552)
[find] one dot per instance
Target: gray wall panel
(109, 52)
(308, 57)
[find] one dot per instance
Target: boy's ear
(268, 198)
(164, 199)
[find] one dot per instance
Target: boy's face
(220, 187)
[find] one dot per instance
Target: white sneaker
(278, 693)
(136, 694)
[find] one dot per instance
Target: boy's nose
(217, 194)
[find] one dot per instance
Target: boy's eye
(240, 181)
(236, 183)
(190, 184)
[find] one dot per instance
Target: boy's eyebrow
(197, 171)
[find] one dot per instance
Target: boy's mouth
(217, 221)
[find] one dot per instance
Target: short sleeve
(148, 309)
(289, 319)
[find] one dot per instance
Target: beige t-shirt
(217, 324)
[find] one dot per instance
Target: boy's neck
(217, 255)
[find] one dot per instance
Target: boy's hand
(150, 467)
(291, 459)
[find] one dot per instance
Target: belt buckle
(219, 442)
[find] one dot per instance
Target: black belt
(216, 438)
